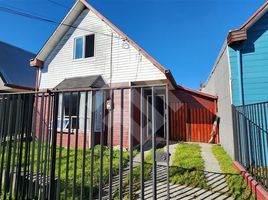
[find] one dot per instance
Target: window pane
(78, 51)
(89, 48)
(71, 112)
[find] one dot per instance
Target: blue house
(240, 80)
(240, 74)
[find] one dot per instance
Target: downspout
(111, 60)
(242, 97)
(37, 76)
(240, 77)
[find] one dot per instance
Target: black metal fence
(82, 144)
(251, 141)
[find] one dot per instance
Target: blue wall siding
(254, 62)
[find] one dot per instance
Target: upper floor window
(84, 46)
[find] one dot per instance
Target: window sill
(84, 59)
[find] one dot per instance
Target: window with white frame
(84, 46)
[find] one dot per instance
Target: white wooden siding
(127, 64)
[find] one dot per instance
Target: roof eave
(197, 92)
(236, 36)
(63, 25)
(20, 87)
(239, 35)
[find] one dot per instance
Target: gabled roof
(240, 34)
(69, 19)
(14, 67)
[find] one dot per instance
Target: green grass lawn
(62, 168)
(237, 186)
(96, 169)
(188, 165)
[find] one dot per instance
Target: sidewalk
(214, 175)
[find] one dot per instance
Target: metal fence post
(53, 148)
(154, 146)
(167, 137)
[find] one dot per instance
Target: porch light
(109, 105)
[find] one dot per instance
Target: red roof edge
(171, 78)
(196, 92)
(254, 16)
(240, 35)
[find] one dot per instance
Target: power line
(64, 6)
(39, 18)
(59, 4)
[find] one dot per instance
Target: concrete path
(214, 175)
(177, 192)
(215, 178)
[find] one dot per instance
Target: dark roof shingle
(94, 81)
(14, 66)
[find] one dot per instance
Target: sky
(185, 36)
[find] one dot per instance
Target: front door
(159, 115)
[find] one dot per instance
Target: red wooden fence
(191, 123)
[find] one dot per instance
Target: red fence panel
(190, 123)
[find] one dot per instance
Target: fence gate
(108, 143)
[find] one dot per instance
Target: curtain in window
(82, 111)
(98, 111)
(59, 111)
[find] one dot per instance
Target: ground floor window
(74, 111)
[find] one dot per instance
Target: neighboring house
(88, 51)
(15, 73)
(240, 74)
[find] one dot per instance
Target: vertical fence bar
(19, 179)
(53, 184)
(253, 138)
(154, 146)
(52, 100)
(245, 133)
(61, 137)
(131, 147)
(266, 142)
(84, 147)
(4, 136)
(47, 146)
(27, 135)
(92, 144)
(121, 144)
(101, 147)
(8, 154)
(111, 121)
(16, 133)
(76, 145)
(34, 127)
(260, 124)
(167, 138)
(68, 148)
(42, 173)
(38, 174)
(142, 142)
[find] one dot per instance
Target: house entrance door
(159, 115)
